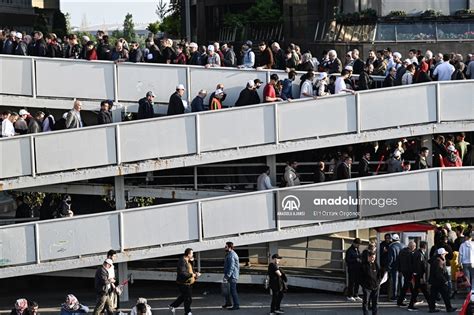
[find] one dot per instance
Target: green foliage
(235, 20)
(263, 11)
(116, 35)
(67, 16)
(41, 24)
(368, 14)
(431, 13)
(60, 24)
(161, 10)
(464, 12)
(153, 28)
(397, 14)
(33, 199)
(129, 28)
(171, 25)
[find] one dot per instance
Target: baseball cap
(109, 261)
(210, 48)
(23, 112)
(194, 45)
(86, 38)
(349, 68)
(257, 81)
(357, 241)
(323, 75)
(407, 61)
(19, 35)
(397, 54)
(395, 237)
(450, 147)
(441, 251)
(276, 256)
(249, 43)
(250, 84)
(150, 93)
(219, 91)
(180, 87)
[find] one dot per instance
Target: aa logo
(290, 203)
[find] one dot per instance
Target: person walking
(466, 257)
(420, 268)
(277, 284)
(353, 261)
(231, 276)
(103, 284)
(371, 276)
(439, 279)
(185, 280)
(145, 106)
(406, 268)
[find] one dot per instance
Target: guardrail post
(438, 103)
(37, 243)
(440, 188)
(276, 121)
(358, 194)
(277, 221)
(357, 101)
(118, 146)
(33, 156)
(188, 85)
(198, 134)
(33, 77)
(122, 233)
(116, 96)
(200, 225)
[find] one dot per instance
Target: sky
(109, 11)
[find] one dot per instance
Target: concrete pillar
(272, 249)
(120, 200)
(271, 162)
(123, 275)
(117, 113)
(426, 141)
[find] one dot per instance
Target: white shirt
(444, 71)
(466, 252)
(111, 272)
(340, 85)
(264, 182)
(7, 128)
(306, 88)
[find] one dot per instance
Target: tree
(263, 11)
(171, 25)
(129, 28)
(60, 24)
(67, 16)
(161, 10)
(153, 28)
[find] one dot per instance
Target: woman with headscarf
(322, 83)
(423, 75)
(72, 306)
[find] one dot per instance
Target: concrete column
(426, 141)
(272, 249)
(117, 113)
(120, 200)
(123, 275)
(271, 162)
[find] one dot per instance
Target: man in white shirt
(444, 70)
(8, 130)
(340, 85)
(263, 181)
(466, 257)
(307, 86)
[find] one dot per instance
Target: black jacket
(319, 176)
(104, 117)
(370, 276)
(384, 254)
(446, 247)
(364, 168)
(135, 55)
(405, 261)
(197, 105)
(145, 109)
(343, 171)
(101, 280)
(389, 81)
(175, 105)
(420, 164)
(353, 259)
(39, 48)
(358, 66)
(247, 97)
(438, 273)
(183, 275)
(365, 81)
(229, 58)
(420, 263)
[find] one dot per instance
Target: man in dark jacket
(420, 267)
(343, 171)
(175, 105)
(145, 106)
(438, 279)
(365, 81)
(185, 279)
(197, 105)
(390, 78)
(364, 165)
(248, 96)
(136, 53)
(229, 56)
(23, 210)
(421, 163)
(277, 283)
(405, 267)
(371, 276)
(353, 262)
(395, 278)
(104, 117)
(319, 175)
(102, 286)
(384, 246)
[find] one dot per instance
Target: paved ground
(49, 293)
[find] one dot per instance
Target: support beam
(122, 276)
(120, 199)
(271, 162)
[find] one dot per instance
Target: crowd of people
(412, 267)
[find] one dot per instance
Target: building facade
(17, 13)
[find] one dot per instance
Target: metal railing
(195, 221)
(271, 123)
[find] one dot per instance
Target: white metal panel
(398, 107)
(17, 245)
(235, 128)
(79, 236)
(158, 138)
(321, 117)
(73, 150)
(457, 101)
(413, 191)
(458, 185)
(163, 225)
(15, 157)
(75, 79)
(234, 215)
(135, 80)
(16, 76)
(234, 82)
(337, 187)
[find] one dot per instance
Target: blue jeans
(467, 269)
(396, 283)
(233, 294)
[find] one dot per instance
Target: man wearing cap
(248, 60)
(102, 286)
(213, 59)
(219, 86)
(216, 101)
(395, 277)
(439, 279)
(353, 261)
(197, 105)
(145, 106)
(175, 105)
(371, 276)
(269, 93)
(249, 95)
(195, 58)
(277, 284)
(229, 59)
(394, 164)
(21, 125)
(452, 158)
(21, 48)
